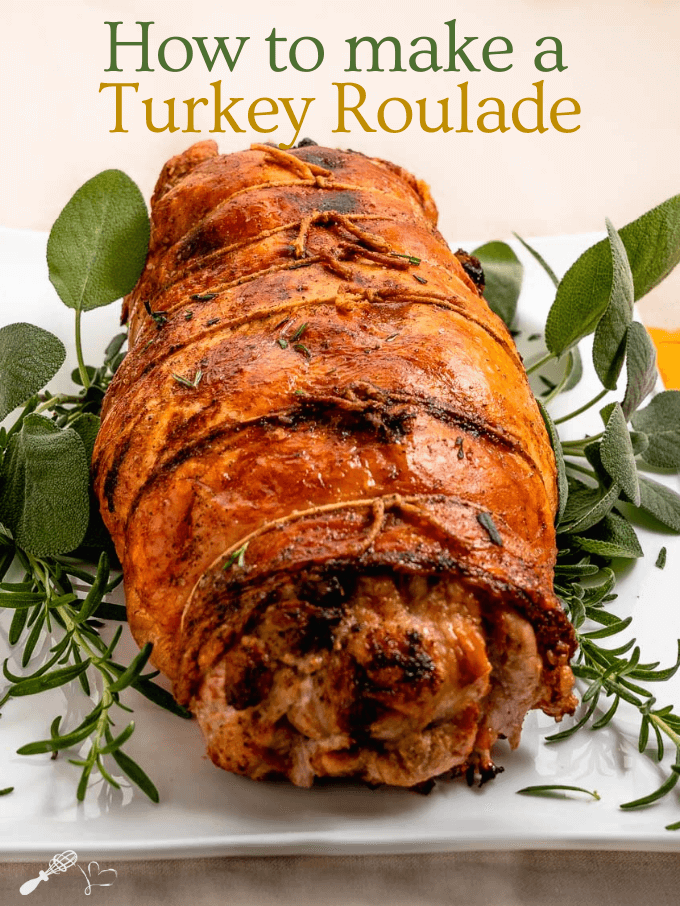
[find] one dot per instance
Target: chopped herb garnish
(411, 258)
(298, 333)
(186, 382)
(282, 343)
(188, 315)
(158, 316)
(8, 789)
(300, 347)
(419, 279)
(212, 321)
(203, 297)
(533, 336)
(487, 523)
(238, 557)
(661, 559)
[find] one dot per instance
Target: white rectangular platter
(204, 811)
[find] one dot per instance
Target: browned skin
(300, 531)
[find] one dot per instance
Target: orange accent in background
(667, 344)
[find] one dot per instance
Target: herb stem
(84, 377)
(579, 468)
(540, 363)
(576, 447)
(583, 408)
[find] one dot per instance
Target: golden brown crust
(340, 389)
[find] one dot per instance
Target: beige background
(624, 68)
(623, 64)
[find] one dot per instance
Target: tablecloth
(536, 878)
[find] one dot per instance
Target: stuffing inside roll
(388, 678)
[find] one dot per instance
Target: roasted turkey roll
(327, 478)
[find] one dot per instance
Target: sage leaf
(640, 368)
(612, 537)
(562, 484)
(574, 369)
(541, 260)
(652, 243)
(660, 421)
(609, 342)
(618, 458)
(589, 508)
(29, 358)
(45, 498)
(98, 244)
(87, 427)
(503, 278)
(660, 501)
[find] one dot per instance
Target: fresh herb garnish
(661, 559)
(557, 791)
(410, 258)
(298, 333)
(238, 557)
(185, 382)
(601, 488)
(50, 527)
(487, 523)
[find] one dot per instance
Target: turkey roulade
(326, 476)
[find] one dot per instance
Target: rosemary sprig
(46, 598)
(557, 791)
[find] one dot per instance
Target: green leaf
(612, 537)
(45, 500)
(640, 368)
(618, 458)
(541, 260)
(87, 427)
(588, 508)
(609, 343)
(113, 349)
(503, 278)
(557, 791)
(575, 369)
(660, 420)
(98, 244)
(562, 484)
(133, 671)
(49, 680)
(29, 358)
(133, 771)
(660, 501)
(652, 243)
